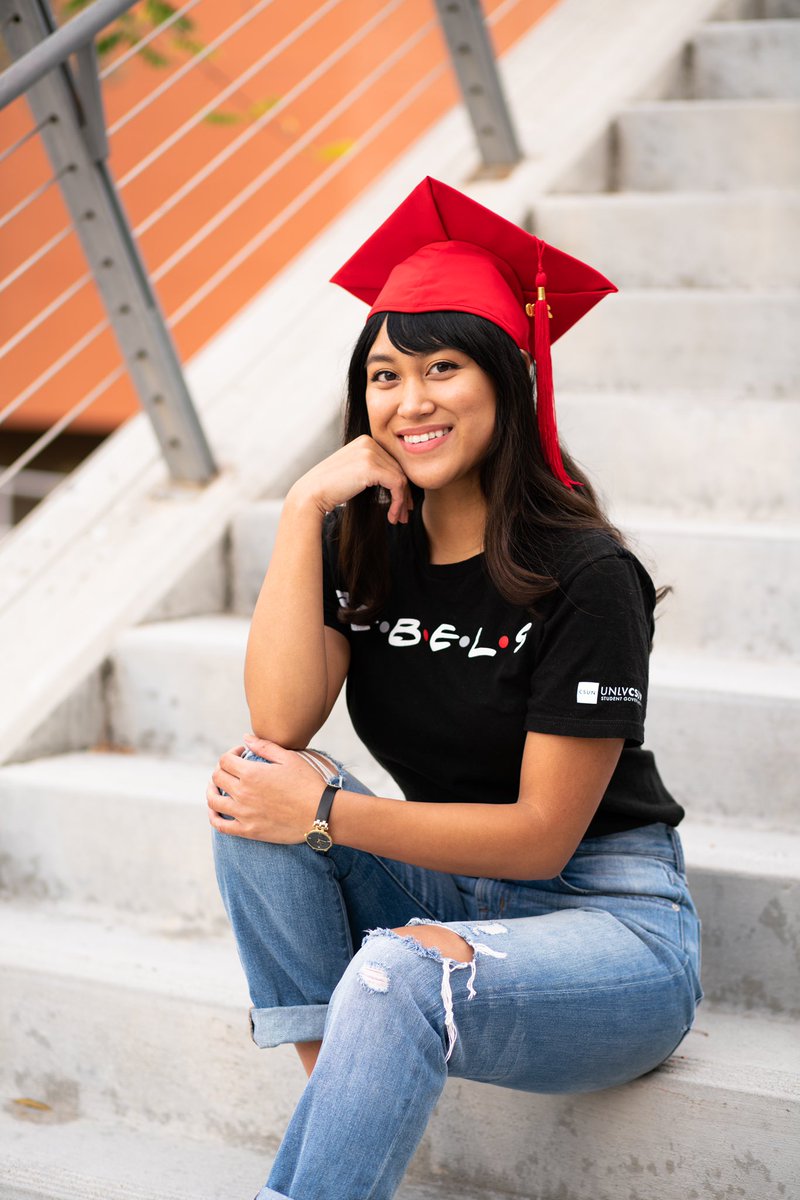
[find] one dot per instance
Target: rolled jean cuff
(296, 1023)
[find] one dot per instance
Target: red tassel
(545, 396)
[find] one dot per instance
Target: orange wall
(28, 167)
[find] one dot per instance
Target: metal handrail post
(474, 63)
(57, 46)
(67, 108)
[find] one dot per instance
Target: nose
(414, 399)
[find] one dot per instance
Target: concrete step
(745, 880)
(628, 1141)
(745, 883)
(739, 344)
(103, 1021)
(760, 564)
(740, 60)
(739, 716)
(705, 145)
(757, 10)
(41, 1159)
(96, 1035)
(177, 687)
(252, 537)
(725, 735)
(45, 1157)
(686, 455)
(680, 239)
(201, 590)
(124, 832)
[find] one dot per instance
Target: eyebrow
(387, 358)
(391, 358)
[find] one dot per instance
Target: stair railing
(65, 99)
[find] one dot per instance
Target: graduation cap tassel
(545, 396)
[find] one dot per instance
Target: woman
(524, 919)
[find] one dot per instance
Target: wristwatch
(318, 837)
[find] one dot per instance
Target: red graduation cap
(439, 251)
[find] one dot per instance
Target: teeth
(425, 437)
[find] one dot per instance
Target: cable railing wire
(36, 194)
(65, 359)
(58, 428)
(302, 198)
(269, 172)
(184, 69)
(147, 39)
(45, 314)
(26, 137)
(261, 122)
(92, 335)
(501, 11)
(178, 134)
(35, 258)
(227, 211)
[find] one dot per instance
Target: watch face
(318, 840)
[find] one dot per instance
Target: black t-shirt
(445, 683)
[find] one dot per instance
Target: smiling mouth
(415, 439)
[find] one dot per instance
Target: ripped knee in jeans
(428, 947)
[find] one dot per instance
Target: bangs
(419, 333)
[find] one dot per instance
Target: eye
(382, 376)
(439, 368)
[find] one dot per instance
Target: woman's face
(434, 411)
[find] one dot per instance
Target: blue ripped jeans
(577, 983)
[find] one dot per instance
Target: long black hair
(529, 511)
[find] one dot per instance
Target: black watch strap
(326, 802)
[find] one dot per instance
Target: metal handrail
(54, 50)
(77, 147)
(75, 96)
(481, 89)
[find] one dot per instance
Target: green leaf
(130, 27)
(188, 45)
(153, 57)
(106, 44)
(258, 108)
(220, 117)
(158, 11)
(335, 150)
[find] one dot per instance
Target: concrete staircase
(125, 1062)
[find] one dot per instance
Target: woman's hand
(360, 464)
(274, 801)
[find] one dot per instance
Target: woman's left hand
(274, 801)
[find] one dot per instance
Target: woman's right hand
(360, 464)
